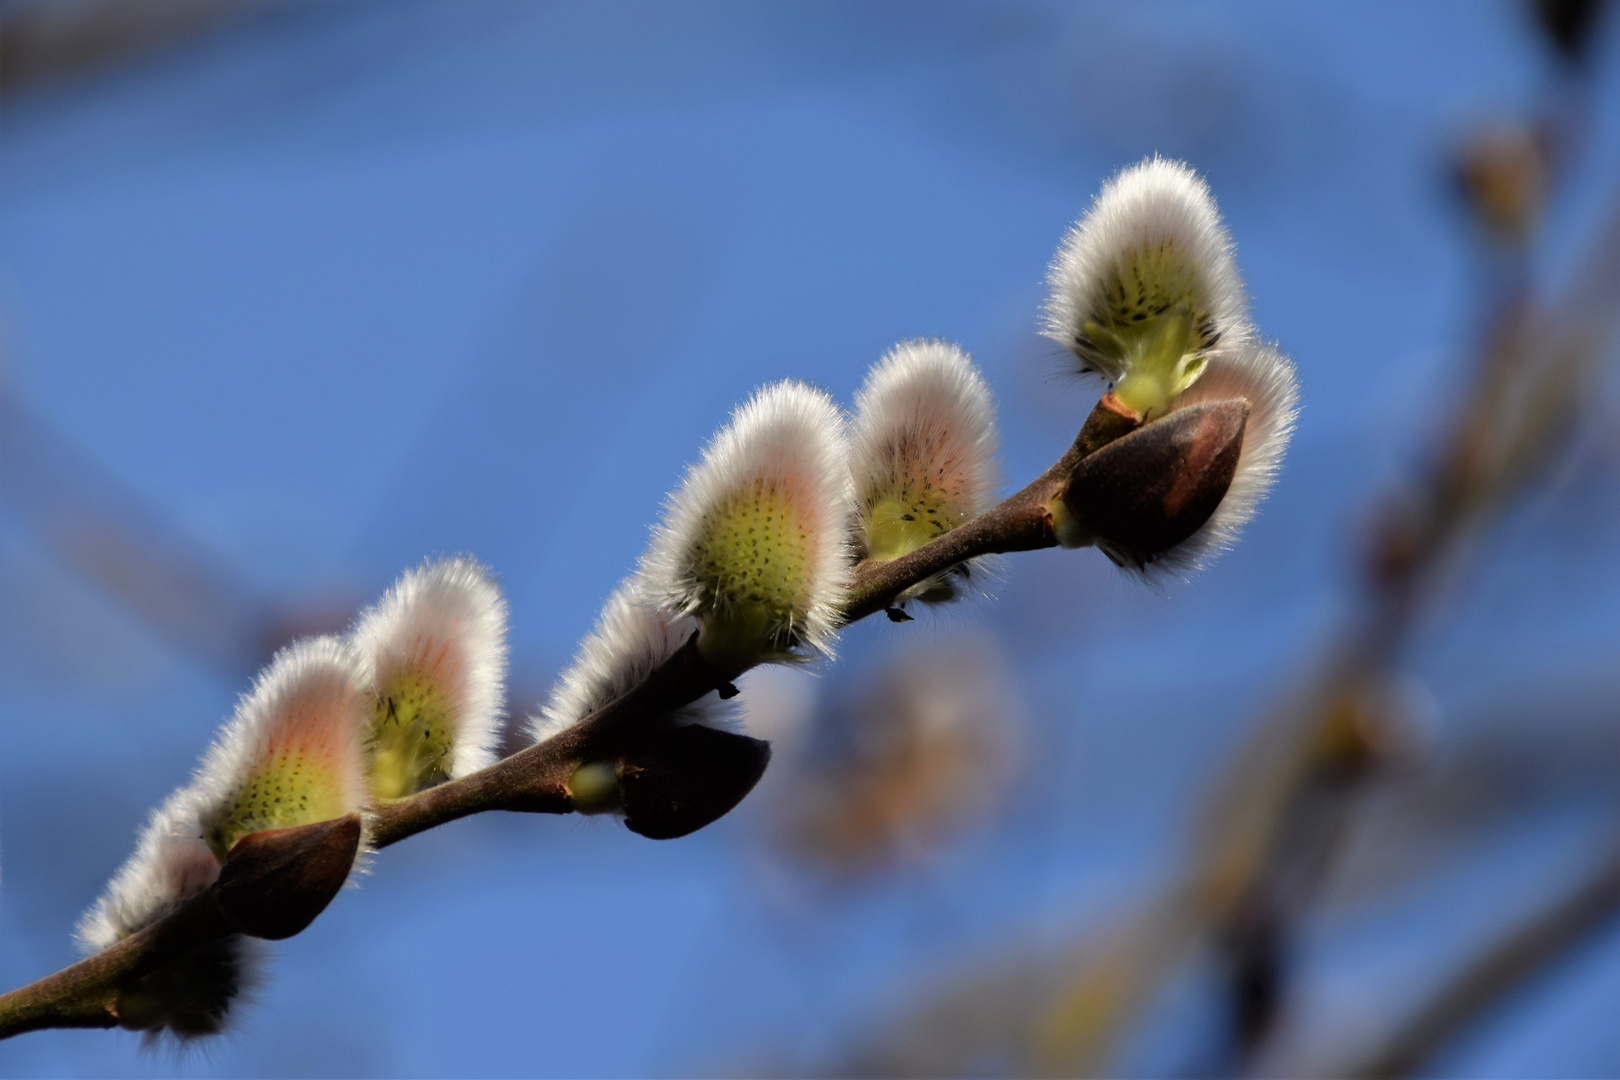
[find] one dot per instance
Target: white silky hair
(171, 864)
(1156, 201)
(926, 400)
(1262, 375)
(789, 433)
(446, 617)
(313, 693)
(633, 636)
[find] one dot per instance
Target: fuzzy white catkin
(447, 619)
(922, 455)
(788, 439)
(632, 637)
(1162, 208)
(1155, 203)
(313, 697)
(924, 412)
(171, 863)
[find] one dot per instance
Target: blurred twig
(1532, 379)
(1487, 977)
(1535, 373)
(107, 533)
(1269, 835)
(1039, 1009)
(42, 40)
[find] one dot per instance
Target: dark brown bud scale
(275, 881)
(681, 779)
(1148, 491)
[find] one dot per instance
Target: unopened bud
(681, 779)
(1569, 25)
(1147, 492)
(1502, 175)
(274, 882)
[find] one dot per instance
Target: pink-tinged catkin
(922, 454)
(754, 544)
(292, 754)
(435, 652)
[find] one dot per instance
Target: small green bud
(594, 788)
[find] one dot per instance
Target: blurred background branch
(42, 41)
(98, 528)
(1518, 954)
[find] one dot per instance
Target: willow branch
(1020, 522)
(85, 995)
(535, 779)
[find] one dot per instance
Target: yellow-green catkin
(292, 753)
(1152, 325)
(1145, 290)
(752, 557)
(434, 647)
(754, 545)
(410, 739)
(905, 514)
(922, 453)
(290, 785)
